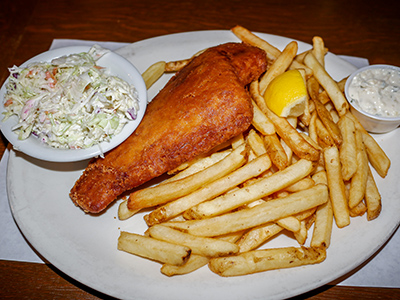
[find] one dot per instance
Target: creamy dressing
(377, 91)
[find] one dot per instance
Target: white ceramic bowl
(372, 123)
(118, 66)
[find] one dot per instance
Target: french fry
(153, 249)
(279, 66)
(177, 65)
(327, 120)
(124, 212)
(257, 236)
(261, 122)
(163, 193)
(301, 234)
(326, 81)
(347, 150)
(276, 152)
(204, 246)
(266, 259)
(319, 49)
(289, 223)
(256, 143)
(288, 151)
(336, 186)
(197, 165)
(213, 189)
(250, 38)
(261, 214)
(324, 137)
(358, 210)
(321, 236)
(300, 185)
(312, 129)
(372, 198)
(359, 180)
(194, 262)
(153, 73)
(323, 97)
(254, 191)
(377, 157)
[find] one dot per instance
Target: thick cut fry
(326, 81)
(261, 121)
(266, 259)
(321, 236)
(279, 66)
(320, 177)
(257, 190)
(372, 198)
(213, 189)
(204, 246)
(196, 165)
(256, 143)
(324, 137)
(269, 211)
(257, 236)
(276, 152)
(377, 157)
(289, 223)
(166, 192)
(285, 130)
(194, 263)
(319, 49)
(312, 129)
(124, 212)
(300, 185)
(358, 210)
(153, 73)
(302, 233)
(325, 116)
(323, 97)
(336, 186)
(359, 180)
(176, 65)
(347, 150)
(153, 249)
(250, 38)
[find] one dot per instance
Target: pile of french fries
(301, 175)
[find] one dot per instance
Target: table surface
(369, 29)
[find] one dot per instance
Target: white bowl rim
(354, 106)
(47, 153)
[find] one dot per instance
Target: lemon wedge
(286, 94)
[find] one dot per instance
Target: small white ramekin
(372, 123)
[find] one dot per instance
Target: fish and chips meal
(256, 141)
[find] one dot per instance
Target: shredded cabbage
(69, 103)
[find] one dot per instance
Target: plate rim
(299, 290)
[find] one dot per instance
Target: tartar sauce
(377, 91)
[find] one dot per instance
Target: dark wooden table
(369, 29)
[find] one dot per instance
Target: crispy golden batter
(203, 105)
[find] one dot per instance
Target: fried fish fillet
(202, 106)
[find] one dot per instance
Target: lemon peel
(286, 95)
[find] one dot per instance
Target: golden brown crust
(202, 106)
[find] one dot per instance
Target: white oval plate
(32, 146)
(85, 247)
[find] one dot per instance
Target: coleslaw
(70, 102)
